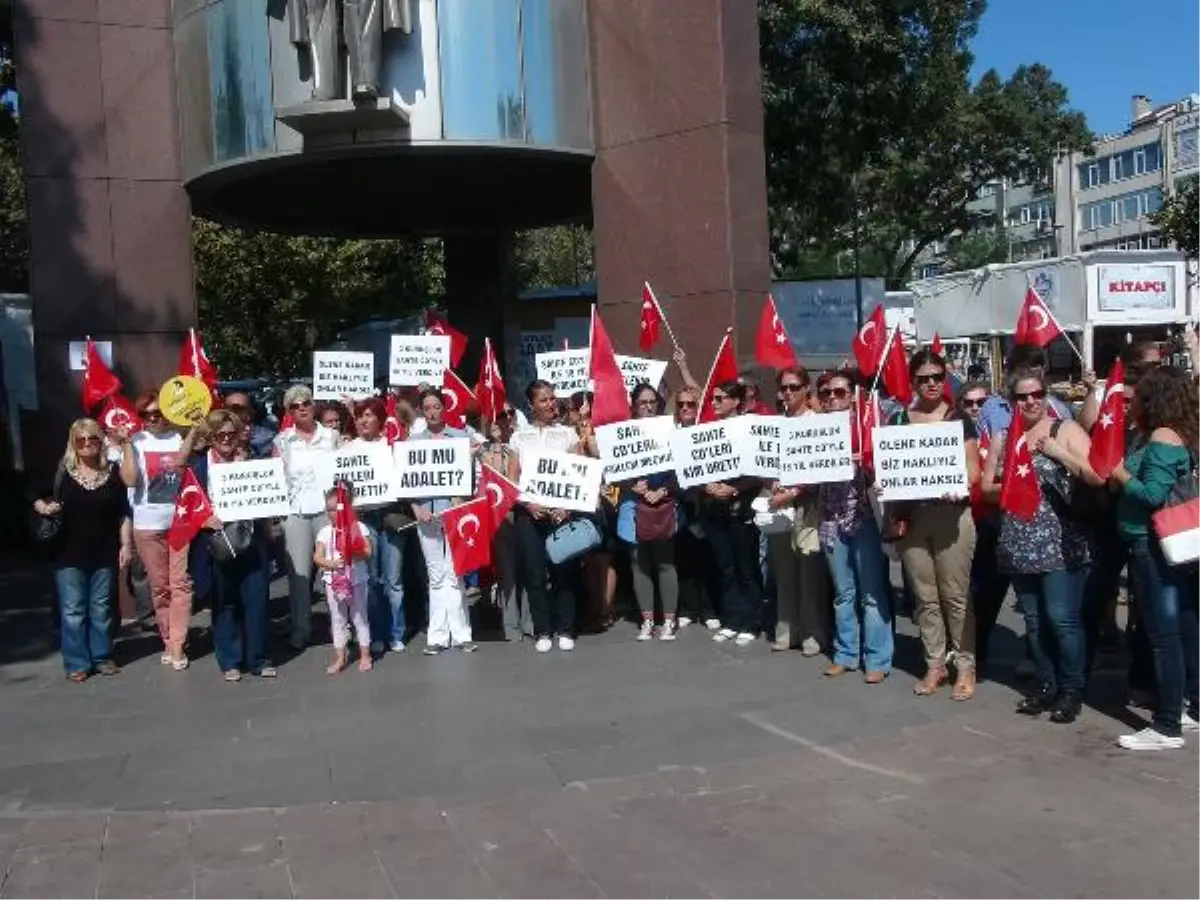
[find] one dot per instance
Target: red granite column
(679, 184)
(110, 233)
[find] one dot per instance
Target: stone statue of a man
(314, 24)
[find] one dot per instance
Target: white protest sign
(707, 453)
(638, 370)
(920, 462)
(440, 467)
(561, 481)
(636, 448)
(368, 466)
(338, 373)
(760, 445)
(567, 370)
(253, 489)
(816, 449)
(418, 359)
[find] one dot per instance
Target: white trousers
(448, 622)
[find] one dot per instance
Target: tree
(561, 256)
(14, 234)
(979, 248)
(1179, 217)
(266, 300)
(871, 121)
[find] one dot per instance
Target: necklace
(90, 479)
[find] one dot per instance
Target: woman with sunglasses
(156, 452)
(385, 566)
(1047, 556)
(801, 577)
(91, 501)
(693, 565)
(496, 453)
(849, 535)
(727, 519)
(937, 545)
(302, 446)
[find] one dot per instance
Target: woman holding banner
(301, 446)
(554, 612)
(449, 624)
(692, 562)
(600, 575)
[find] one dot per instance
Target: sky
(1103, 51)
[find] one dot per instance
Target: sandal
(964, 685)
(77, 677)
(108, 667)
(933, 680)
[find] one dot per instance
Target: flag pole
(662, 315)
(882, 359)
(713, 368)
(195, 359)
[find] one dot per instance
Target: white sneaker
(683, 621)
(712, 624)
(744, 639)
(724, 634)
(566, 643)
(667, 632)
(810, 647)
(646, 632)
(543, 645)
(1149, 739)
(1187, 723)
(396, 647)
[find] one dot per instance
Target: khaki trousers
(937, 552)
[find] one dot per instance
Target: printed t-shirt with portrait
(158, 481)
(300, 461)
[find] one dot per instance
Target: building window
(1119, 166)
(1186, 153)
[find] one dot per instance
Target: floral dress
(1051, 540)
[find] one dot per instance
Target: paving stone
(42, 872)
(271, 880)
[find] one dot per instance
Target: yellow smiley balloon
(184, 400)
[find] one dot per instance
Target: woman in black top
(92, 502)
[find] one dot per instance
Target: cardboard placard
(342, 373)
(252, 489)
(561, 481)
(636, 448)
(707, 453)
(567, 370)
(440, 467)
(816, 449)
(418, 359)
(920, 462)
(639, 370)
(760, 449)
(368, 466)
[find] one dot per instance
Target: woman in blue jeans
(91, 500)
(1164, 408)
(854, 550)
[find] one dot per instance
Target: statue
(314, 24)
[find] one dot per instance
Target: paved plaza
(623, 769)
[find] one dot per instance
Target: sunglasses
(300, 404)
(721, 398)
(151, 415)
(686, 404)
(84, 439)
(1030, 395)
(504, 414)
(237, 407)
(224, 437)
(935, 378)
(791, 388)
(971, 403)
(826, 393)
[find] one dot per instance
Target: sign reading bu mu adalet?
(561, 481)
(707, 453)
(435, 468)
(252, 489)
(920, 462)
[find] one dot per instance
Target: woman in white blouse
(301, 447)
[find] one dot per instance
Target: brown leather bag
(656, 523)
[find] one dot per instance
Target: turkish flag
(866, 417)
(194, 362)
(1021, 492)
(490, 389)
(469, 534)
(98, 380)
(349, 542)
(771, 346)
(1108, 434)
(724, 369)
(1036, 325)
(652, 319)
(947, 385)
(458, 341)
(894, 373)
(118, 413)
(192, 510)
(610, 399)
(936, 344)
(457, 397)
(287, 422)
(393, 430)
(871, 341)
(501, 494)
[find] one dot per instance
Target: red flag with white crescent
(1108, 434)
(652, 319)
(1036, 325)
(772, 348)
(611, 399)
(1021, 492)
(490, 389)
(192, 510)
(870, 342)
(393, 430)
(469, 535)
(117, 414)
(456, 398)
(501, 494)
(435, 324)
(724, 369)
(98, 380)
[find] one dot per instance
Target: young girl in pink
(346, 584)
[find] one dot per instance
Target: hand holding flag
(192, 512)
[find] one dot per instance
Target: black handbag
(231, 540)
(47, 530)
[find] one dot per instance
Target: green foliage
(562, 256)
(266, 300)
(980, 248)
(869, 110)
(14, 235)
(1179, 217)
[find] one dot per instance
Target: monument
(313, 24)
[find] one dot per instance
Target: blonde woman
(91, 501)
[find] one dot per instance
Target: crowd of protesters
(703, 556)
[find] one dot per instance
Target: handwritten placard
(636, 448)
(340, 373)
(368, 465)
(760, 445)
(920, 462)
(561, 481)
(253, 489)
(707, 453)
(434, 468)
(418, 359)
(815, 449)
(639, 370)
(567, 370)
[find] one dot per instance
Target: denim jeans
(1051, 603)
(734, 548)
(857, 570)
(1167, 599)
(385, 602)
(83, 598)
(239, 610)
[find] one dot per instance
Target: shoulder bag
(657, 522)
(47, 530)
(572, 539)
(1177, 523)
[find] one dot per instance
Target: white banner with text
(636, 448)
(439, 467)
(252, 489)
(920, 462)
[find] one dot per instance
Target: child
(345, 587)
